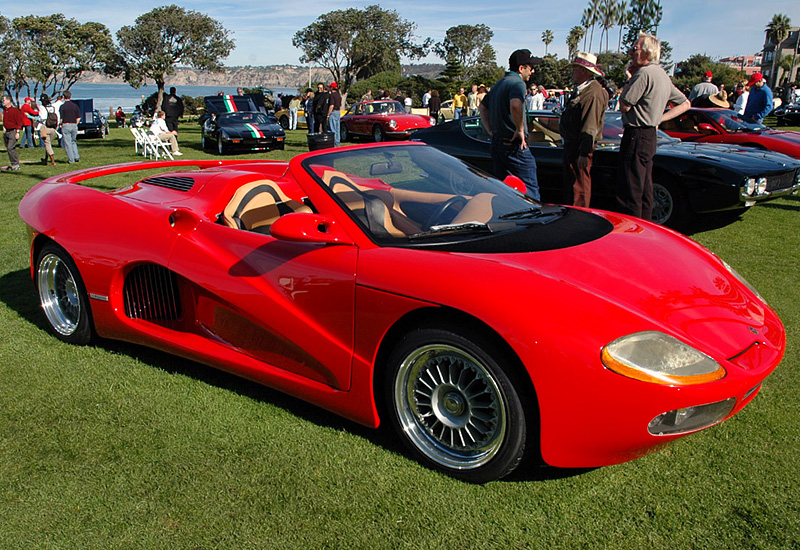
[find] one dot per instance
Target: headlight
(392, 123)
(656, 357)
(750, 186)
(762, 186)
(433, 123)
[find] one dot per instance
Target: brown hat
(718, 101)
(589, 62)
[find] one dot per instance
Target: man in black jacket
(322, 101)
(173, 107)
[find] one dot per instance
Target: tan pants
(169, 138)
(48, 135)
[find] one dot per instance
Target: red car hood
(669, 280)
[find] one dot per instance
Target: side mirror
(308, 228)
(707, 128)
(515, 183)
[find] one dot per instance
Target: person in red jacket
(12, 124)
(29, 113)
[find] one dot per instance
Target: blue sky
(263, 31)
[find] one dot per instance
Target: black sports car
(788, 115)
(237, 123)
(688, 178)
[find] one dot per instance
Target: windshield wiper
(465, 227)
(534, 212)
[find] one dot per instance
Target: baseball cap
(757, 77)
(522, 57)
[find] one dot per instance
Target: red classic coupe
(725, 126)
(393, 283)
(382, 120)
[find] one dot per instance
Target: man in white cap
(581, 127)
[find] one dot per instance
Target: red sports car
(383, 119)
(725, 126)
(393, 283)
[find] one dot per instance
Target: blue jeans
(510, 159)
(293, 119)
(69, 135)
(333, 126)
(27, 139)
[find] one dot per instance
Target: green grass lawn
(117, 446)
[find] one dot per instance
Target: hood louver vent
(178, 183)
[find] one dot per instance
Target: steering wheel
(439, 213)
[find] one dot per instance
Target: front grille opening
(151, 294)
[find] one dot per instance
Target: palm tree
(621, 21)
(589, 19)
(606, 16)
(777, 30)
(573, 39)
(547, 38)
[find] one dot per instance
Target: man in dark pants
(642, 103)
(12, 125)
(173, 107)
(322, 101)
(503, 116)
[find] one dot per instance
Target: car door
(289, 305)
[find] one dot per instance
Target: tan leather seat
(256, 205)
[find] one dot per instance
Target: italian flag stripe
(230, 105)
(254, 130)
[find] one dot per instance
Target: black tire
(344, 135)
(284, 120)
(378, 134)
(669, 205)
(203, 142)
(63, 296)
(221, 149)
(442, 386)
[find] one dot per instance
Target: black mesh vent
(151, 293)
(179, 183)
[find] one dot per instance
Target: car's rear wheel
(455, 406)
(62, 295)
(669, 205)
(378, 134)
(284, 120)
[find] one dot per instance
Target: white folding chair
(139, 140)
(156, 147)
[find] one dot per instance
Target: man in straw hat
(581, 126)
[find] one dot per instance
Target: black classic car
(688, 178)
(788, 115)
(92, 123)
(239, 123)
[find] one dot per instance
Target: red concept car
(725, 126)
(393, 283)
(383, 119)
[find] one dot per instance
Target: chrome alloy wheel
(450, 406)
(58, 294)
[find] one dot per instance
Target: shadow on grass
(18, 294)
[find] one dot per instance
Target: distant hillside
(272, 76)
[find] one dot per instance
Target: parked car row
(689, 178)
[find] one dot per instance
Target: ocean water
(111, 96)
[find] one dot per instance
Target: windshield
(613, 128)
(244, 118)
(400, 194)
(388, 107)
(732, 122)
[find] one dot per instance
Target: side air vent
(151, 293)
(179, 183)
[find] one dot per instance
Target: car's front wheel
(221, 149)
(454, 405)
(344, 134)
(62, 295)
(669, 205)
(378, 134)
